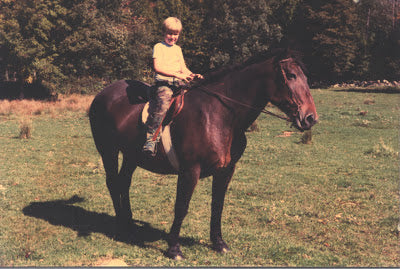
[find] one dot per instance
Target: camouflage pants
(158, 107)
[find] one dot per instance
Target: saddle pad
(165, 140)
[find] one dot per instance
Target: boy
(171, 71)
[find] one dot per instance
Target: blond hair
(172, 24)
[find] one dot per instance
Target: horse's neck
(248, 88)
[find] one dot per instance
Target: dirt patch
(111, 263)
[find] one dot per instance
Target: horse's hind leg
(124, 183)
(118, 185)
(220, 184)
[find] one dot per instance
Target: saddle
(139, 92)
(175, 107)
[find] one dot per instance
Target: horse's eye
(291, 76)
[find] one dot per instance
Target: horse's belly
(159, 166)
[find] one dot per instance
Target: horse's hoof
(221, 247)
(225, 250)
(175, 253)
(178, 258)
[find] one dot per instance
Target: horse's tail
(101, 125)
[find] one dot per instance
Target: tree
(237, 30)
(380, 30)
(27, 33)
(60, 40)
(332, 37)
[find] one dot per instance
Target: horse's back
(135, 91)
(114, 112)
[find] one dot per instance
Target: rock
(365, 84)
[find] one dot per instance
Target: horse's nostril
(310, 120)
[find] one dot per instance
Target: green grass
(334, 202)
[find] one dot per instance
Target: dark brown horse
(208, 136)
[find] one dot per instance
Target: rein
(263, 110)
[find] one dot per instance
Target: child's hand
(184, 77)
(198, 76)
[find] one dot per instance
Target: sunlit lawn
(333, 202)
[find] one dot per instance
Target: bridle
(294, 96)
(263, 110)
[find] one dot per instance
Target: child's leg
(157, 109)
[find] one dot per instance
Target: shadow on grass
(64, 213)
(371, 90)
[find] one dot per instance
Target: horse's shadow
(64, 213)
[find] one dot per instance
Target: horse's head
(293, 94)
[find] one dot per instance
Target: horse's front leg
(220, 184)
(187, 181)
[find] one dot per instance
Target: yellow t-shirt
(170, 57)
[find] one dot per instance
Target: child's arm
(189, 73)
(159, 68)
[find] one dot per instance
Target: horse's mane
(277, 54)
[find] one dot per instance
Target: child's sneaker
(149, 148)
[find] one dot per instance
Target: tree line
(80, 45)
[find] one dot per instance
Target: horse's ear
(283, 43)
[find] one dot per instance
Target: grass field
(334, 202)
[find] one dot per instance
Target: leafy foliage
(343, 40)
(334, 39)
(238, 30)
(61, 42)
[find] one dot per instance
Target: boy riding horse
(171, 72)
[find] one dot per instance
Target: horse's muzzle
(305, 123)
